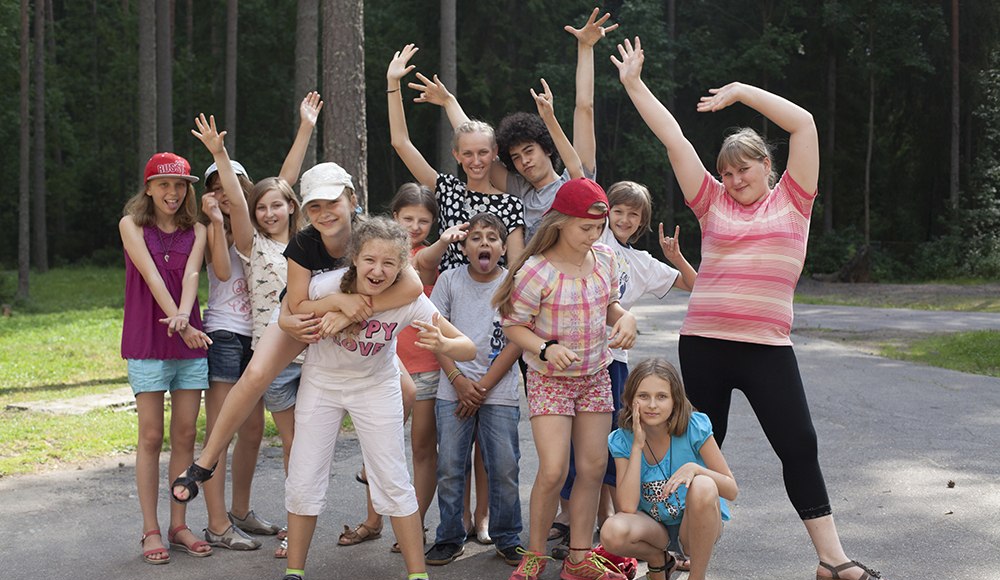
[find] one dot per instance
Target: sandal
(253, 524)
(558, 531)
(669, 566)
(281, 552)
(196, 547)
(360, 478)
(869, 573)
(362, 533)
(189, 480)
(148, 554)
(683, 562)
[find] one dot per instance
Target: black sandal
(668, 567)
(193, 475)
(868, 574)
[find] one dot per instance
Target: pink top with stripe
(751, 259)
(568, 309)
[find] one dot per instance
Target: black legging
(769, 377)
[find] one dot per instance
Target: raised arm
(399, 135)
(672, 251)
(216, 232)
(308, 114)
(566, 150)
(584, 138)
(426, 261)
(684, 159)
(239, 213)
(803, 141)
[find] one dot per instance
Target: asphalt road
(892, 436)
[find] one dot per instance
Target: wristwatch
(545, 345)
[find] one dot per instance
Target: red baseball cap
(576, 196)
(168, 165)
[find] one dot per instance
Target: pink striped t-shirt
(571, 310)
(751, 259)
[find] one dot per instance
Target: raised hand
(638, 433)
(398, 66)
(207, 133)
(455, 233)
(544, 101)
(630, 66)
(593, 31)
(429, 335)
(431, 91)
(310, 108)
(210, 207)
(671, 246)
(719, 99)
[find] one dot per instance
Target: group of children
(363, 316)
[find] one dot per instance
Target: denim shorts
(150, 375)
(228, 356)
(427, 385)
(281, 394)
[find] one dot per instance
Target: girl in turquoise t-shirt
(670, 471)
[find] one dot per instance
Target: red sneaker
(627, 566)
(531, 566)
(592, 567)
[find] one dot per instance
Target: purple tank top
(143, 337)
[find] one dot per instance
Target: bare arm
(571, 159)
(623, 327)
(399, 134)
(515, 243)
(441, 337)
(426, 261)
(135, 247)
(239, 213)
(803, 142)
(584, 138)
(672, 251)
(217, 244)
(684, 159)
(308, 114)
(715, 467)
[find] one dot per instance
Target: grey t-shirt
(466, 303)
(536, 201)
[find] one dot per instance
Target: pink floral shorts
(548, 395)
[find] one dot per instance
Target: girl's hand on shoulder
(429, 335)
(638, 433)
(310, 108)
(719, 99)
(623, 333)
(544, 101)
(431, 91)
(593, 31)
(356, 307)
(302, 327)
(210, 207)
(630, 66)
(208, 134)
(333, 323)
(682, 476)
(560, 356)
(671, 246)
(195, 339)
(455, 233)
(398, 66)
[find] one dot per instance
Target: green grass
(955, 303)
(975, 352)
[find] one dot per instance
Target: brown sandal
(362, 533)
(869, 573)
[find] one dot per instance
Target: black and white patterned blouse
(457, 205)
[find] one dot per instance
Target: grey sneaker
(233, 538)
(252, 524)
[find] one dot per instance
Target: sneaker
(592, 567)
(531, 566)
(627, 566)
(291, 577)
(252, 524)
(441, 554)
(511, 554)
(233, 538)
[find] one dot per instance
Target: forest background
(906, 96)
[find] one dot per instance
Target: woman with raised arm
(754, 234)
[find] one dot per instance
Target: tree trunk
(164, 77)
(829, 145)
(955, 108)
(868, 155)
(232, 14)
(344, 127)
(306, 55)
(39, 232)
(147, 85)
(448, 72)
(24, 192)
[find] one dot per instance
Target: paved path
(891, 435)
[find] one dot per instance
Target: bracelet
(453, 374)
(184, 314)
(392, 90)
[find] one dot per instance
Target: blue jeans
(495, 429)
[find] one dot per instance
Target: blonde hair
(677, 422)
(267, 185)
(141, 208)
(545, 237)
(375, 228)
(469, 127)
(634, 195)
(745, 144)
